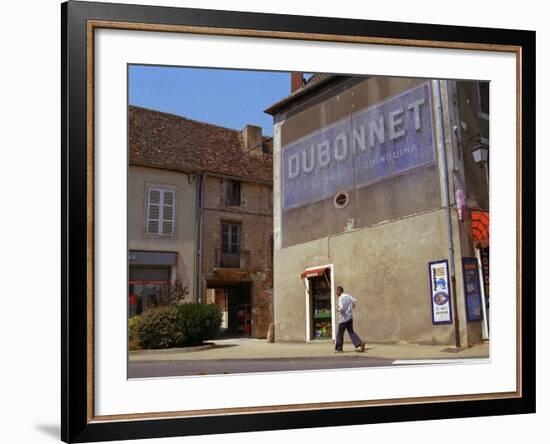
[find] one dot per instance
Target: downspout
(198, 222)
(447, 205)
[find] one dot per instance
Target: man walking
(346, 304)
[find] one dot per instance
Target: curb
(162, 351)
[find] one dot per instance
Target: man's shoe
(338, 351)
(361, 348)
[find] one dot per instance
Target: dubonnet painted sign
(368, 146)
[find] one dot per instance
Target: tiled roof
(168, 141)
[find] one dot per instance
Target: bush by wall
(159, 327)
(177, 325)
(133, 342)
(199, 322)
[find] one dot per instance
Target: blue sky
(223, 97)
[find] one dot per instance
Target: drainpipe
(198, 224)
(444, 172)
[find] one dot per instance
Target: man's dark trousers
(342, 327)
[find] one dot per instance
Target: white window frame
(162, 191)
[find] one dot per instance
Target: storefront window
(143, 294)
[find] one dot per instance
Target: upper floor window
(231, 238)
(233, 192)
(160, 211)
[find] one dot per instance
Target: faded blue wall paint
(368, 146)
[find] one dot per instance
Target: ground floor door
(320, 307)
(235, 303)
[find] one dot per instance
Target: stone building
(200, 212)
(376, 188)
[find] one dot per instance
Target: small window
(233, 192)
(160, 212)
(484, 97)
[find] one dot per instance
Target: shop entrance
(319, 298)
(235, 304)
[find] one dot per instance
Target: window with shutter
(161, 212)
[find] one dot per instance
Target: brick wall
(256, 219)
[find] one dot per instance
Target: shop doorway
(319, 303)
(235, 303)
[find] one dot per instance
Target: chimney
(296, 80)
(252, 138)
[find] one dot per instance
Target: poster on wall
(472, 290)
(440, 292)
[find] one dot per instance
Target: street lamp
(480, 151)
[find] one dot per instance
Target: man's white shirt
(345, 304)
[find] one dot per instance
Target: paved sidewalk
(247, 348)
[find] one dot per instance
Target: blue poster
(472, 290)
(440, 292)
(368, 146)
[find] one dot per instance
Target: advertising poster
(440, 292)
(472, 290)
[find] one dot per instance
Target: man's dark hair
(340, 288)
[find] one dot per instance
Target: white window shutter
(160, 211)
(168, 213)
(153, 211)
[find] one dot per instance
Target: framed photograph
(250, 203)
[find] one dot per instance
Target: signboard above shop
(367, 146)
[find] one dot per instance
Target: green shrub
(200, 322)
(133, 342)
(177, 325)
(159, 327)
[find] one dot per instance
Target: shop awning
(480, 227)
(314, 272)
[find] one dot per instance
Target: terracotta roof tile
(168, 141)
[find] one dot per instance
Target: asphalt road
(150, 369)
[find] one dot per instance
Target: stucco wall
(473, 125)
(183, 241)
(396, 195)
(385, 267)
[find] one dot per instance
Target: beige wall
(472, 124)
(183, 241)
(384, 264)
(385, 267)
(256, 218)
(406, 193)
